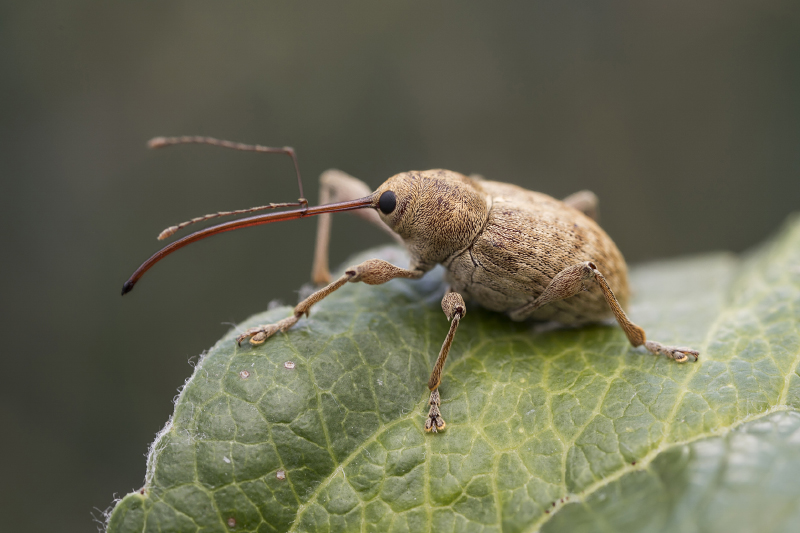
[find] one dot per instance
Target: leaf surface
(555, 430)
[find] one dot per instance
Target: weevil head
(436, 212)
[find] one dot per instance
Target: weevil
(505, 248)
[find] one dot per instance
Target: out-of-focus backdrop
(684, 117)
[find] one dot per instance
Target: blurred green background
(684, 117)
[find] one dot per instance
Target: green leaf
(554, 430)
(745, 480)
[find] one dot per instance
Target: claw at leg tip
(434, 425)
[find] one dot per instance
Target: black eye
(387, 202)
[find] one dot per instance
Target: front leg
(573, 280)
(454, 309)
(336, 186)
(371, 272)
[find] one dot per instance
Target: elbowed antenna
(350, 205)
(160, 142)
(170, 231)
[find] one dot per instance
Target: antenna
(172, 229)
(160, 142)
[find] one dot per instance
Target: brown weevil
(508, 249)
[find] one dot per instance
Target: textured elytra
(534, 417)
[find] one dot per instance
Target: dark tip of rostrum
(127, 287)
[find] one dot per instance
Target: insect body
(505, 248)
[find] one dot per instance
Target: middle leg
(454, 309)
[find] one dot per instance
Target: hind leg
(584, 201)
(573, 280)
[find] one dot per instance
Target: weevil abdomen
(528, 238)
